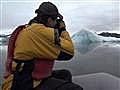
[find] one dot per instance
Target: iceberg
(86, 36)
(85, 41)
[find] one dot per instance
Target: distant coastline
(107, 34)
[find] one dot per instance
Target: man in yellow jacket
(43, 40)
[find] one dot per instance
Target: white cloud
(94, 14)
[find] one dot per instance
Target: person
(36, 47)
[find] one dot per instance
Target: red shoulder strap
(12, 40)
(11, 45)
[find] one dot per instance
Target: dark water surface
(102, 57)
(88, 59)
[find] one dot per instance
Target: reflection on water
(85, 48)
(4, 40)
(3, 49)
(89, 58)
(94, 58)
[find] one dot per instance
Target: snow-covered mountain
(85, 36)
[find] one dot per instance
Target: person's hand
(62, 25)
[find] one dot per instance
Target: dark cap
(48, 8)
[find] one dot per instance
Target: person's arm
(67, 48)
(42, 45)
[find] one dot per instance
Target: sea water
(88, 59)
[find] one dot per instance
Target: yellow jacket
(38, 41)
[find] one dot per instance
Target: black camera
(58, 30)
(57, 26)
(58, 21)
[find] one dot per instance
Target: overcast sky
(95, 15)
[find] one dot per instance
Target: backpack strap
(10, 52)
(12, 39)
